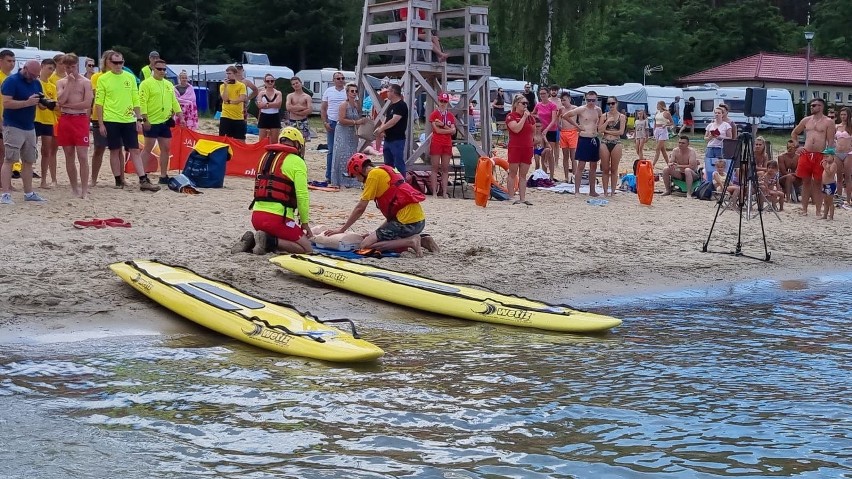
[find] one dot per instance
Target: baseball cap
(154, 54)
(444, 97)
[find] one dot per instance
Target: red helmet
(355, 166)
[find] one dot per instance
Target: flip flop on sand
(81, 224)
(115, 222)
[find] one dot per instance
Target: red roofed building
(828, 78)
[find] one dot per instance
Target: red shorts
(810, 165)
(72, 130)
(520, 154)
(280, 227)
(439, 149)
(689, 122)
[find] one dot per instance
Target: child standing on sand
(829, 184)
(543, 153)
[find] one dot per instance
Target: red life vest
(269, 183)
(398, 195)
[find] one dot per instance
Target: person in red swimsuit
(819, 135)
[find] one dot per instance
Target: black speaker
(755, 102)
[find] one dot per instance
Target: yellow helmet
(293, 135)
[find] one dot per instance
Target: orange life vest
(270, 184)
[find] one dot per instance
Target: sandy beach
(54, 276)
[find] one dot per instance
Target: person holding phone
(234, 95)
(714, 134)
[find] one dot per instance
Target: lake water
(743, 381)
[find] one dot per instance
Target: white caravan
(779, 106)
(318, 81)
(33, 53)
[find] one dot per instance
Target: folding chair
(466, 171)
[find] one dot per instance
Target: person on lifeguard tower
(280, 208)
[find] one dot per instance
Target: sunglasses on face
(338, 78)
(269, 81)
(611, 103)
(590, 100)
(160, 69)
(815, 105)
(353, 91)
(117, 62)
(89, 65)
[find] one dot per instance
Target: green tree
(832, 34)
(530, 24)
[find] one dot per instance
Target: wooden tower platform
(390, 47)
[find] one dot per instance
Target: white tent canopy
(627, 93)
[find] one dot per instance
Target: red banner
(242, 163)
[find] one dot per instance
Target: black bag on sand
(704, 191)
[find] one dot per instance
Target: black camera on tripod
(46, 102)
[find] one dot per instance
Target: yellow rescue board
(233, 313)
(443, 298)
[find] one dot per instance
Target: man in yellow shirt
(398, 201)
(45, 119)
(119, 119)
(234, 95)
(98, 140)
(158, 105)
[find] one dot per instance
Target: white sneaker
(33, 197)
(6, 199)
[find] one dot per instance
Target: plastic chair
(466, 173)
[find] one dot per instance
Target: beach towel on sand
(354, 254)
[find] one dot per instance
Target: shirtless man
(569, 134)
(298, 105)
(819, 135)
(588, 145)
(74, 93)
(684, 166)
(787, 163)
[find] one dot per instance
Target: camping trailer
(33, 53)
(318, 81)
(779, 106)
(666, 94)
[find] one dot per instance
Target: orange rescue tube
(645, 182)
(482, 181)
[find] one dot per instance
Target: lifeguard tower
(396, 42)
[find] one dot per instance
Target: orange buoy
(645, 182)
(482, 181)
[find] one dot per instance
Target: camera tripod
(746, 167)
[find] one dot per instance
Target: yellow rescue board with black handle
(229, 311)
(443, 298)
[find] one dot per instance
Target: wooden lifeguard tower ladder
(402, 50)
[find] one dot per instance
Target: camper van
(779, 106)
(318, 81)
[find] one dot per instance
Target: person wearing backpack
(674, 111)
(398, 201)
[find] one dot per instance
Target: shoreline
(560, 249)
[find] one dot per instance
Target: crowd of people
(53, 103)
